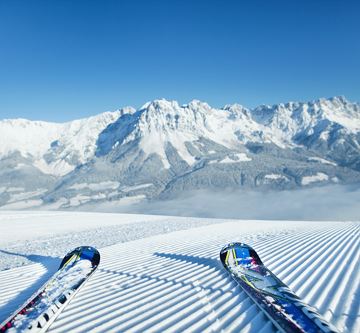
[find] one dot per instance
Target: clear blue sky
(66, 59)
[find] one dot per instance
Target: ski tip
(239, 252)
(235, 245)
(83, 253)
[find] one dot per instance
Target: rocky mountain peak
(165, 147)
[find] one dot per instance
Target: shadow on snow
(51, 264)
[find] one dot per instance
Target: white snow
(23, 225)
(56, 168)
(20, 166)
(240, 157)
(27, 137)
(15, 189)
(33, 139)
(22, 204)
(274, 176)
(321, 160)
(164, 122)
(135, 187)
(174, 282)
(25, 195)
(335, 111)
(235, 158)
(78, 200)
(320, 176)
(96, 186)
(56, 205)
(325, 135)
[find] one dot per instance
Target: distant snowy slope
(27, 137)
(295, 117)
(175, 282)
(54, 148)
(164, 148)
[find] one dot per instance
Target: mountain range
(163, 149)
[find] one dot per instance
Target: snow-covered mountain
(54, 148)
(164, 148)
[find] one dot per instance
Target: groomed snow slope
(174, 282)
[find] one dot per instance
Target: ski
(42, 308)
(287, 311)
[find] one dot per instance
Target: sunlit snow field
(161, 273)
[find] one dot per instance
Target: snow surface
(320, 176)
(241, 157)
(149, 281)
(26, 204)
(26, 195)
(135, 187)
(74, 140)
(321, 160)
(96, 186)
(274, 176)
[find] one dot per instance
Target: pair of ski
(285, 310)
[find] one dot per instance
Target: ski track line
(285, 245)
(353, 292)
(175, 282)
(324, 263)
(292, 245)
(338, 288)
(295, 271)
(14, 282)
(302, 251)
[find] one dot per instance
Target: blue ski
(287, 311)
(39, 312)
